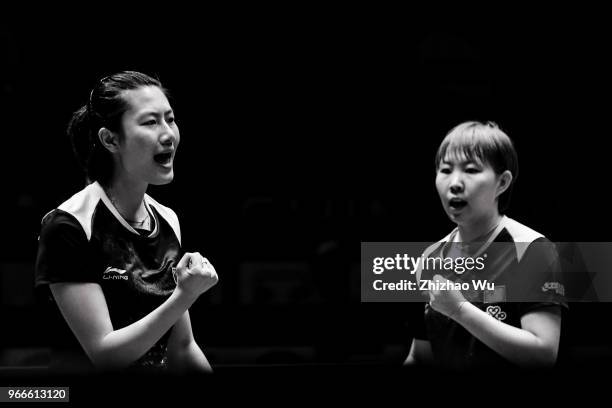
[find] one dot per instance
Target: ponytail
(93, 158)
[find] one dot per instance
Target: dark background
(300, 138)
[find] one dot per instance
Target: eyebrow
(465, 162)
(155, 113)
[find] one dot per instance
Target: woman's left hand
(447, 301)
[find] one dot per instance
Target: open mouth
(457, 203)
(163, 158)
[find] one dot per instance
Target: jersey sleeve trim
(82, 206)
(521, 234)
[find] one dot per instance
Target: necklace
(139, 223)
(133, 223)
(475, 247)
(481, 237)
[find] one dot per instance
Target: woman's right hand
(194, 274)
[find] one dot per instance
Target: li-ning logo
(496, 312)
(114, 273)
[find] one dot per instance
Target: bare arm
(536, 343)
(84, 307)
(184, 354)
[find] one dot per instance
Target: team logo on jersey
(114, 274)
(496, 312)
(497, 295)
(556, 286)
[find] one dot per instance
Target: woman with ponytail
(110, 257)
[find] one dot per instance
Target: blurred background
(301, 138)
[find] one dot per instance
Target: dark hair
(486, 143)
(104, 109)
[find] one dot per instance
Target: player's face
(468, 190)
(150, 137)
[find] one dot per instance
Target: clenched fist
(443, 298)
(194, 275)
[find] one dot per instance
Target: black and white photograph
(313, 204)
